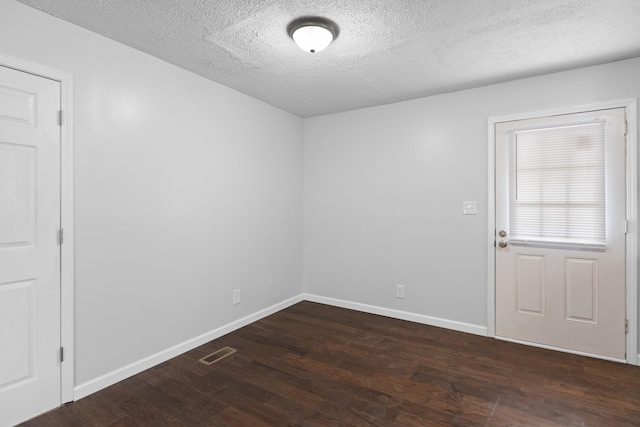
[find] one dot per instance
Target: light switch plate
(469, 208)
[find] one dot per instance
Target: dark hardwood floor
(316, 365)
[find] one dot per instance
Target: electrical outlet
(236, 297)
(399, 291)
(469, 208)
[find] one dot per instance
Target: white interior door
(29, 249)
(560, 232)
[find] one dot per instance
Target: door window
(557, 185)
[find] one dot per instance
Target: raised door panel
(17, 332)
(17, 194)
(17, 107)
(530, 284)
(581, 290)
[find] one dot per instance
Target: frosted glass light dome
(312, 39)
(313, 34)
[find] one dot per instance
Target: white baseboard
(398, 314)
(134, 368)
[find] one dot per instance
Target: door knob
(502, 233)
(502, 244)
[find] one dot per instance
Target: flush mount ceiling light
(312, 34)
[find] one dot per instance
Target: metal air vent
(216, 356)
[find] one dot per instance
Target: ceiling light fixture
(312, 34)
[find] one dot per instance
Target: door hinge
(61, 354)
(626, 226)
(60, 117)
(60, 236)
(626, 326)
(626, 127)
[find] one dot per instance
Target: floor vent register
(216, 356)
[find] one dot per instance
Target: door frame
(66, 214)
(631, 267)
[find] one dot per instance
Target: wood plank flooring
(316, 365)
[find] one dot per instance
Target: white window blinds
(557, 185)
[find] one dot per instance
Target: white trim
(563, 350)
(398, 314)
(66, 214)
(630, 106)
(491, 229)
(134, 368)
(632, 233)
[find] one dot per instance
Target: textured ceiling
(387, 50)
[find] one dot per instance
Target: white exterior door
(29, 249)
(560, 232)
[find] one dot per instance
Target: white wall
(184, 191)
(384, 188)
